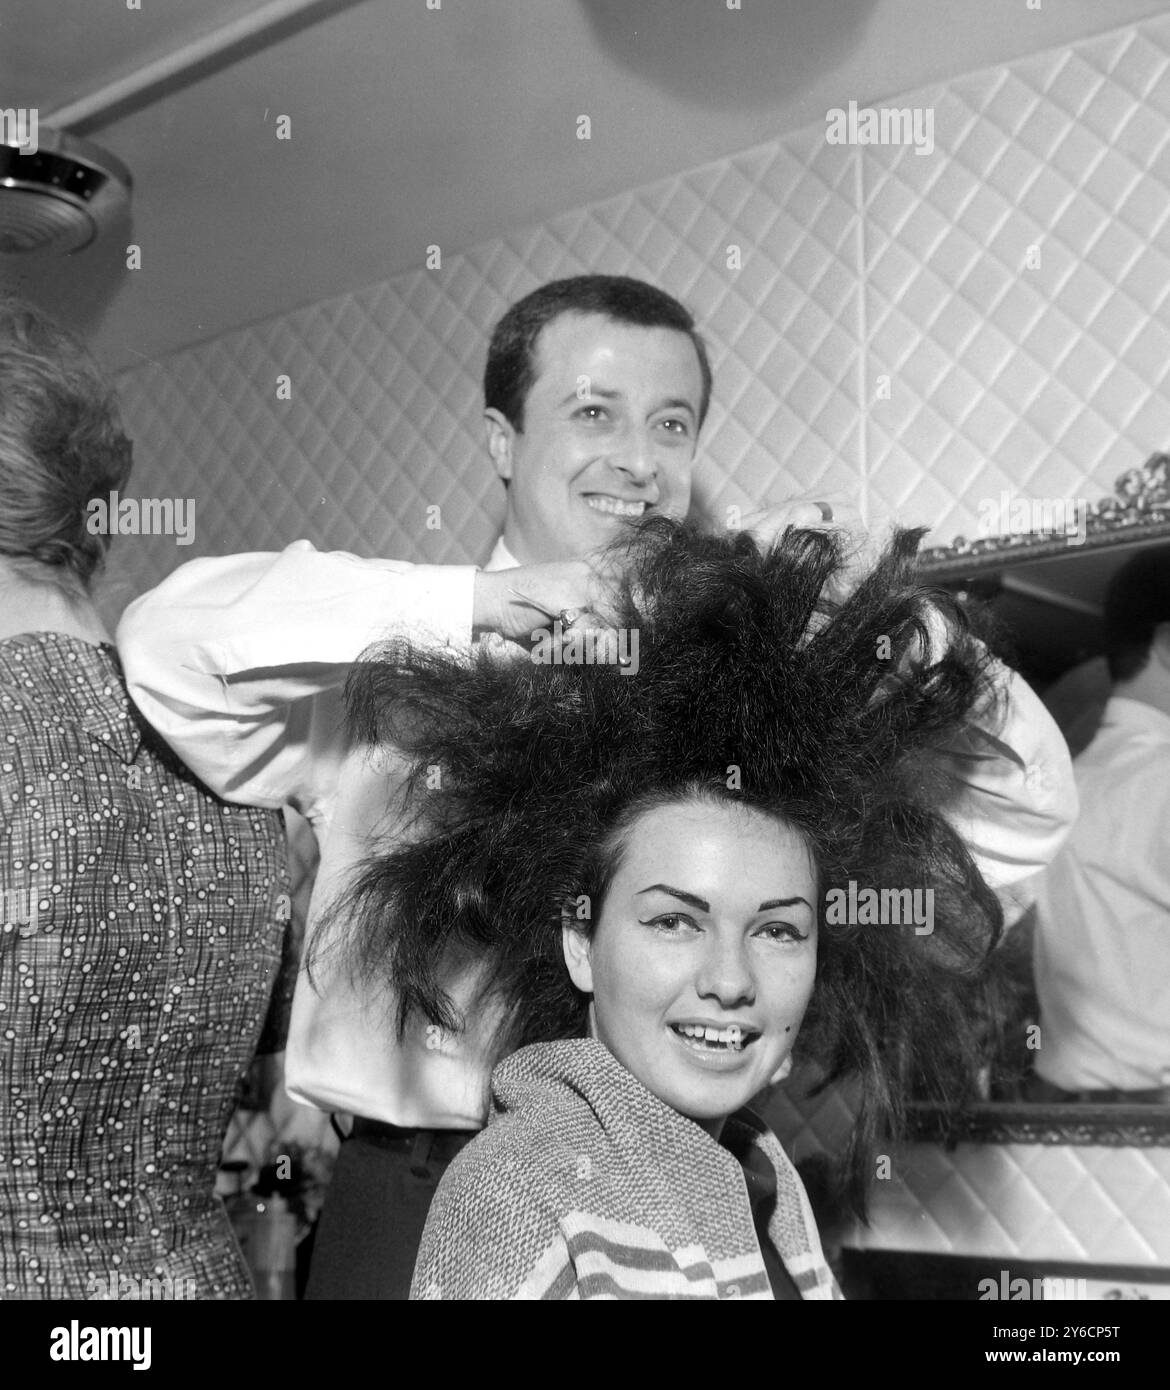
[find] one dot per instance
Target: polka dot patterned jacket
(141, 922)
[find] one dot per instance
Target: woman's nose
(726, 976)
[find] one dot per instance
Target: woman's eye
(670, 922)
(592, 412)
(782, 931)
(678, 427)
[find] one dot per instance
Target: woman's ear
(782, 1071)
(575, 943)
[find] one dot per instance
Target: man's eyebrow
(678, 893)
(609, 394)
(603, 392)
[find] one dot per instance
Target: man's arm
(240, 662)
(1017, 797)
(1014, 795)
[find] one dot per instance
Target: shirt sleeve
(1017, 798)
(239, 662)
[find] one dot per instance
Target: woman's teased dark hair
(750, 688)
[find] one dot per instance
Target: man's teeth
(614, 506)
(732, 1036)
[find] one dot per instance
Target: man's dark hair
(511, 365)
(1138, 600)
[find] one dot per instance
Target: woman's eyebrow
(695, 901)
(678, 893)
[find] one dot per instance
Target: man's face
(610, 428)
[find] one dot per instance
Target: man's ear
(575, 944)
(499, 433)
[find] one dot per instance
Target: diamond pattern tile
(1046, 379)
(1034, 1201)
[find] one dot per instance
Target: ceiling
(414, 125)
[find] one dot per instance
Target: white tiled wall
(891, 333)
(1058, 1202)
(1092, 1204)
(1049, 380)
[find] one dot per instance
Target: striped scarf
(585, 1185)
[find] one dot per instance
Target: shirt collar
(502, 558)
(1136, 714)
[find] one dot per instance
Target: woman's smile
(718, 1053)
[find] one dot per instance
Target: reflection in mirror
(1079, 599)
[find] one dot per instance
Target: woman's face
(709, 927)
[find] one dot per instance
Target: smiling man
(595, 391)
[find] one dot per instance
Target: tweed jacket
(585, 1185)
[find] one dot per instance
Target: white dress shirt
(1102, 944)
(239, 663)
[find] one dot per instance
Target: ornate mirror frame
(1033, 562)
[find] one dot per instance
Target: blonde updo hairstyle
(61, 444)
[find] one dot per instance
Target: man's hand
(862, 550)
(515, 602)
(769, 523)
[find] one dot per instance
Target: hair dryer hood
(58, 193)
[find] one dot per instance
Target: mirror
(1042, 571)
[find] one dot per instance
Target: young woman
(651, 875)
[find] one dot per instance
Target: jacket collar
(651, 1134)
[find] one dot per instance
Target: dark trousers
(371, 1225)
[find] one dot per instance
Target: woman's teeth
(732, 1036)
(614, 506)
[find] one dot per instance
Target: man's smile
(615, 506)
